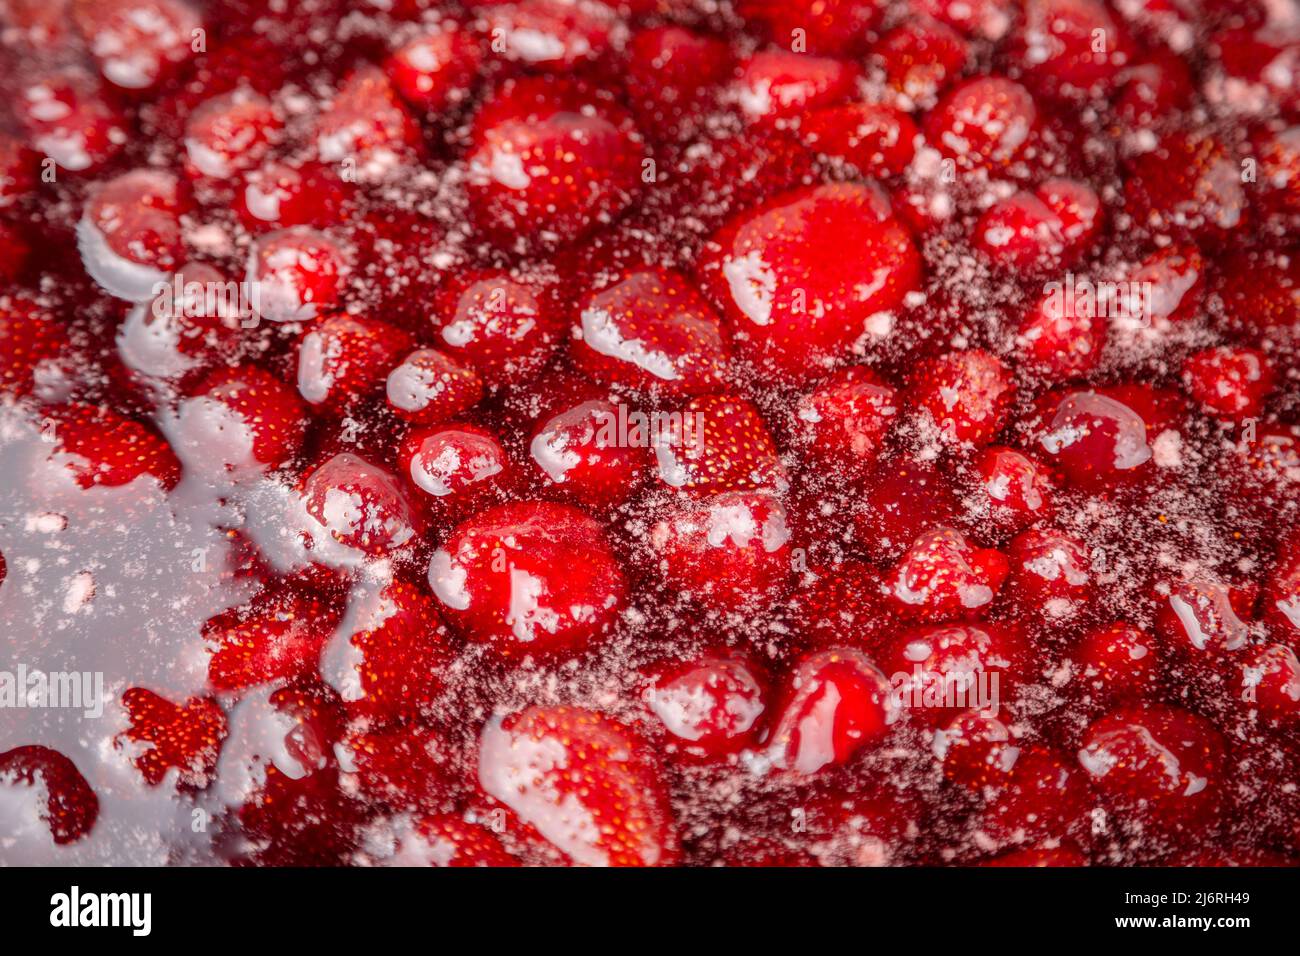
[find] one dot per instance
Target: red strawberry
(460, 466)
(1188, 184)
(138, 43)
(164, 736)
(1154, 87)
(1156, 764)
(921, 58)
(99, 447)
(965, 394)
(843, 422)
(581, 452)
(69, 119)
(1270, 678)
(670, 73)
(1045, 797)
(546, 166)
(551, 34)
(276, 636)
(718, 443)
(130, 232)
(650, 329)
(343, 359)
(30, 339)
(367, 127)
(985, 123)
(728, 551)
(828, 26)
(977, 751)
(505, 328)
(403, 765)
(429, 386)
(70, 805)
(835, 703)
(943, 577)
(901, 500)
(1057, 48)
(530, 578)
(1198, 617)
(1116, 662)
(1062, 335)
(588, 784)
(1078, 207)
(799, 277)
(1021, 233)
(879, 140)
(1175, 276)
(949, 665)
(278, 195)
(450, 840)
(1104, 435)
(387, 658)
(295, 274)
(1014, 487)
(1051, 572)
(241, 415)
(229, 133)
(437, 69)
(1229, 380)
(773, 84)
(360, 505)
(710, 706)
